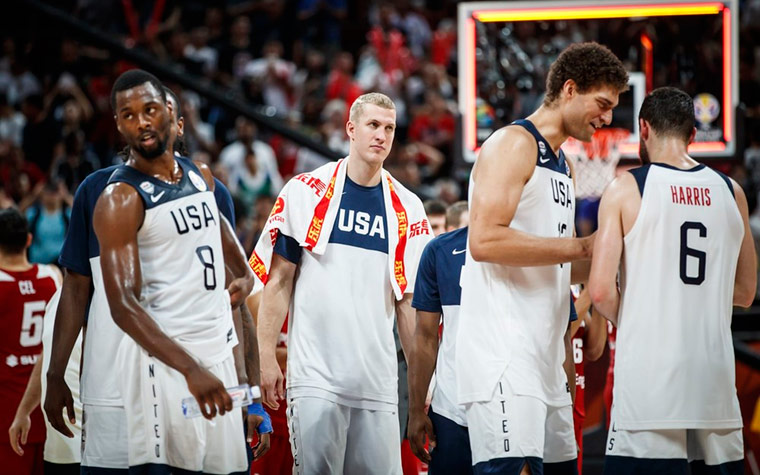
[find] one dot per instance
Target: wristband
(265, 427)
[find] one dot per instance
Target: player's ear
(350, 127)
(643, 129)
(29, 238)
(692, 135)
(180, 127)
(570, 88)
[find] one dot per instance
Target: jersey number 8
(206, 256)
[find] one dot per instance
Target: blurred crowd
(303, 62)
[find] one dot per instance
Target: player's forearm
(596, 336)
(569, 365)
(250, 348)
(605, 298)
(238, 352)
(274, 308)
(507, 246)
(69, 321)
(33, 392)
(406, 318)
(135, 322)
(421, 367)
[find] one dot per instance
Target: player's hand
(59, 397)
(262, 428)
(271, 382)
(587, 243)
(419, 426)
(18, 432)
(239, 289)
(209, 391)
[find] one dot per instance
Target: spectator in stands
(18, 176)
(251, 164)
(11, 122)
(48, 220)
(76, 163)
(41, 133)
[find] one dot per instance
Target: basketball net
(595, 161)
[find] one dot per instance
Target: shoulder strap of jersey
(728, 182)
(640, 174)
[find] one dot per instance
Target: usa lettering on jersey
(359, 223)
(189, 216)
(561, 193)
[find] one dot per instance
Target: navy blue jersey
(361, 218)
(360, 223)
(439, 270)
(81, 244)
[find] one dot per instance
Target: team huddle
(484, 312)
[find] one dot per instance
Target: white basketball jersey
(674, 366)
(515, 318)
(183, 272)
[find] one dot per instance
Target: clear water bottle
(242, 395)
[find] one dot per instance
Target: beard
(157, 150)
(644, 153)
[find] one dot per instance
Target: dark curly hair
(590, 65)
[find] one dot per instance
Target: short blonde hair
(374, 98)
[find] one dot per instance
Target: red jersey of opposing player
(579, 406)
(24, 295)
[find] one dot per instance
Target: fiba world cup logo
(706, 110)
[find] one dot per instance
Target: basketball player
(164, 247)
(436, 297)
(105, 450)
(681, 231)
(25, 289)
(62, 455)
(344, 280)
(516, 278)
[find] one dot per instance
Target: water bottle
(242, 395)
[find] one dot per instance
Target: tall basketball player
(515, 282)
(164, 247)
(681, 231)
(345, 279)
(25, 290)
(105, 450)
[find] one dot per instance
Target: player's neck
(548, 122)
(671, 152)
(363, 173)
(14, 262)
(164, 167)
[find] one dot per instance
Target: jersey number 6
(687, 251)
